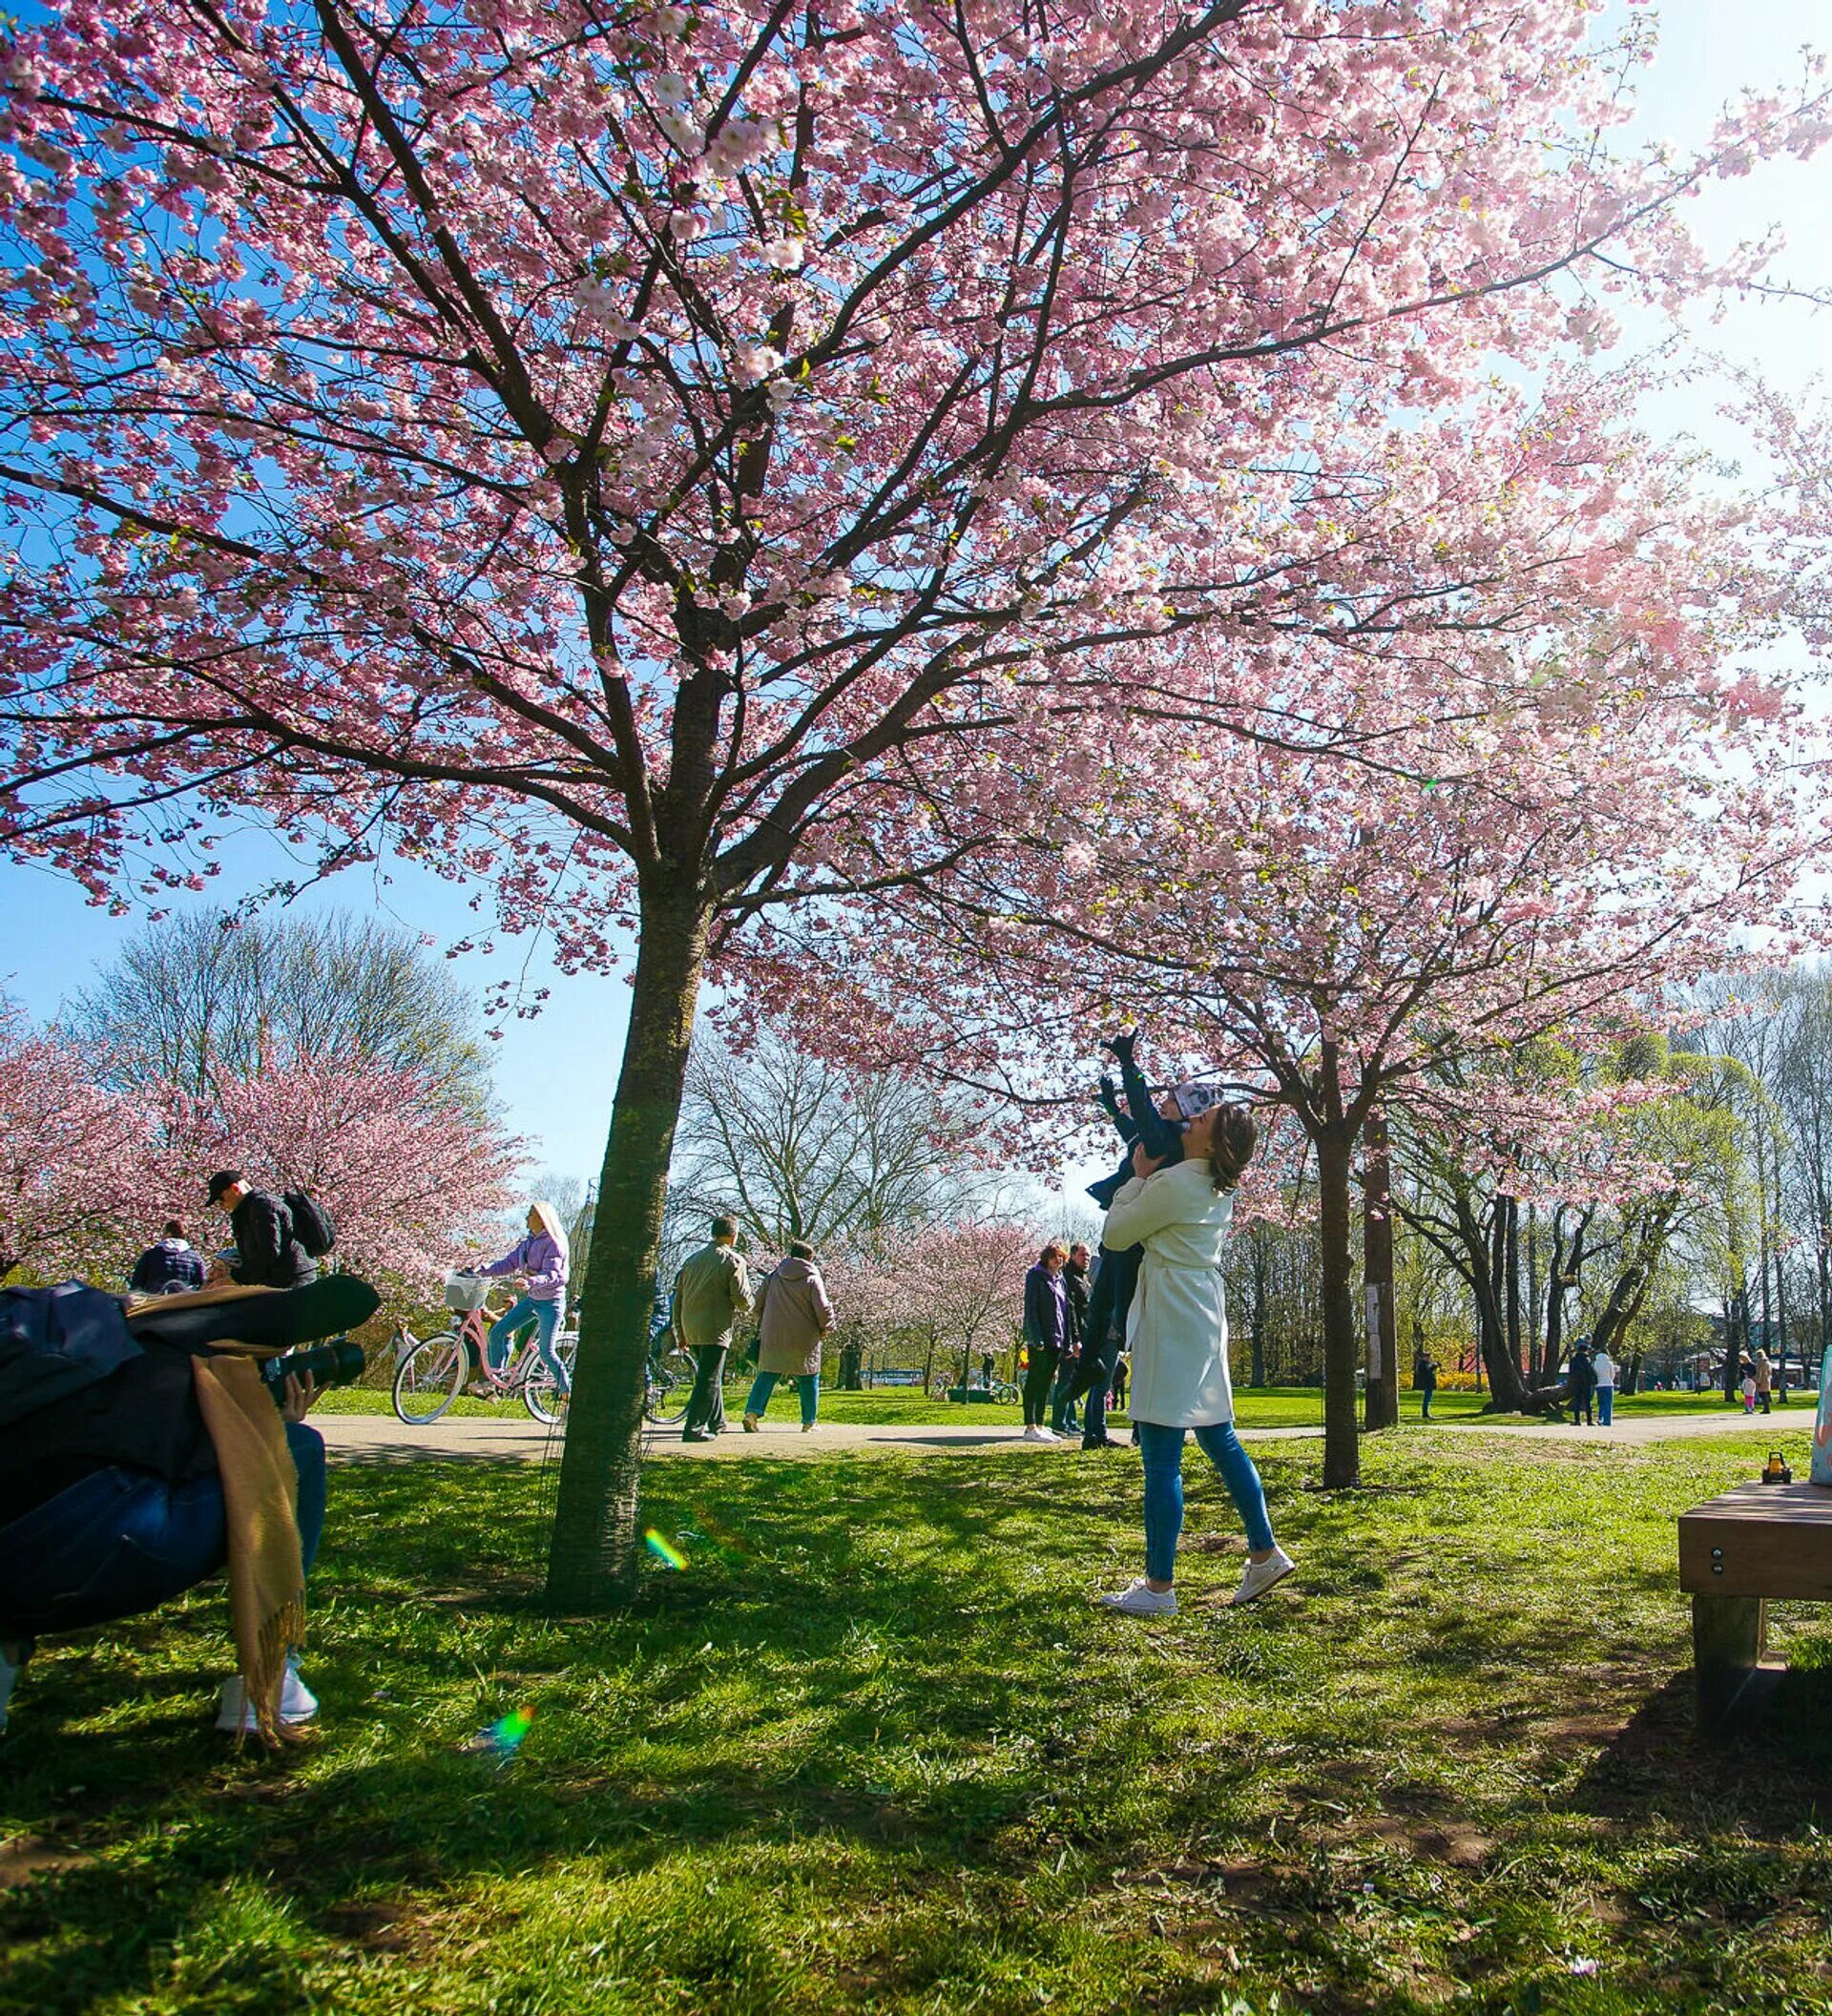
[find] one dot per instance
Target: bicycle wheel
(541, 1393)
(670, 1386)
(427, 1378)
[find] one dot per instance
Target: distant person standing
(1045, 1331)
(793, 1316)
(169, 1266)
(1583, 1386)
(712, 1291)
(1764, 1381)
(1424, 1377)
(1603, 1372)
(269, 1253)
(1063, 1417)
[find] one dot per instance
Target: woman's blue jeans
(807, 1383)
(121, 1541)
(1162, 1451)
(524, 1310)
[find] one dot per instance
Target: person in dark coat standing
(1583, 1386)
(1424, 1377)
(267, 1255)
(1046, 1330)
(169, 1266)
(1074, 1287)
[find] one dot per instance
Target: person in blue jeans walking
(1178, 1334)
(793, 1316)
(541, 1260)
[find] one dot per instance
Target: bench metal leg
(1729, 1634)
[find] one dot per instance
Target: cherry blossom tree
(623, 457)
(1341, 938)
(70, 1157)
(414, 1178)
(956, 1287)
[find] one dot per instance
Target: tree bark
(1382, 1408)
(1341, 1354)
(1511, 1207)
(595, 1559)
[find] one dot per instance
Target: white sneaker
(1142, 1600)
(298, 1703)
(752, 1424)
(810, 1427)
(1034, 1433)
(1261, 1576)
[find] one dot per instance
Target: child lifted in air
(1159, 1130)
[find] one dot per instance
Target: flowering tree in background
(628, 459)
(414, 1179)
(70, 1157)
(956, 1288)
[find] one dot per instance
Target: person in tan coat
(796, 1316)
(712, 1291)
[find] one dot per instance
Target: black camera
(339, 1361)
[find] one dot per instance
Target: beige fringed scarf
(259, 1496)
(260, 1505)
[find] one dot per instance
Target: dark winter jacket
(267, 1255)
(167, 1267)
(1046, 1310)
(1074, 1281)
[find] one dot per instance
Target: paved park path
(379, 1438)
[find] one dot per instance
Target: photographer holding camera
(141, 1452)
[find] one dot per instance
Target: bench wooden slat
(1759, 1540)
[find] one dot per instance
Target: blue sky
(557, 1073)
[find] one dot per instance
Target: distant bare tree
(798, 1148)
(198, 998)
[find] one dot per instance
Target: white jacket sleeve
(1145, 1205)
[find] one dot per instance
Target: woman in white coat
(1178, 1336)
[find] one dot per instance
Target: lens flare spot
(502, 1739)
(669, 1555)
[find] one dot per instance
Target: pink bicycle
(430, 1372)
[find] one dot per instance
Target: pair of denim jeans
(120, 1541)
(546, 1316)
(1161, 1450)
(807, 1383)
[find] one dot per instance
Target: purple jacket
(542, 1261)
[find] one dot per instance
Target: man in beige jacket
(712, 1291)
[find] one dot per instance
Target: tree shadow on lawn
(894, 1656)
(737, 1705)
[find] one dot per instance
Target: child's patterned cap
(1193, 1099)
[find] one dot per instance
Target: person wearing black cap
(267, 1253)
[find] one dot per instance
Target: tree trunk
(1485, 1250)
(1511, 1217)
(1533, 1302)
(1383, 1398)
(1342, 1351)
(1256, 1324)
(595, 1558)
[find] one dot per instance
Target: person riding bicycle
(541, 1258)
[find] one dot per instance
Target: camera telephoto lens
(336, 1362)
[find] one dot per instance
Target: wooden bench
(1735, 1552)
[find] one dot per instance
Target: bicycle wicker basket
(466, 1291)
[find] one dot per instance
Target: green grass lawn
(874, 1749)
